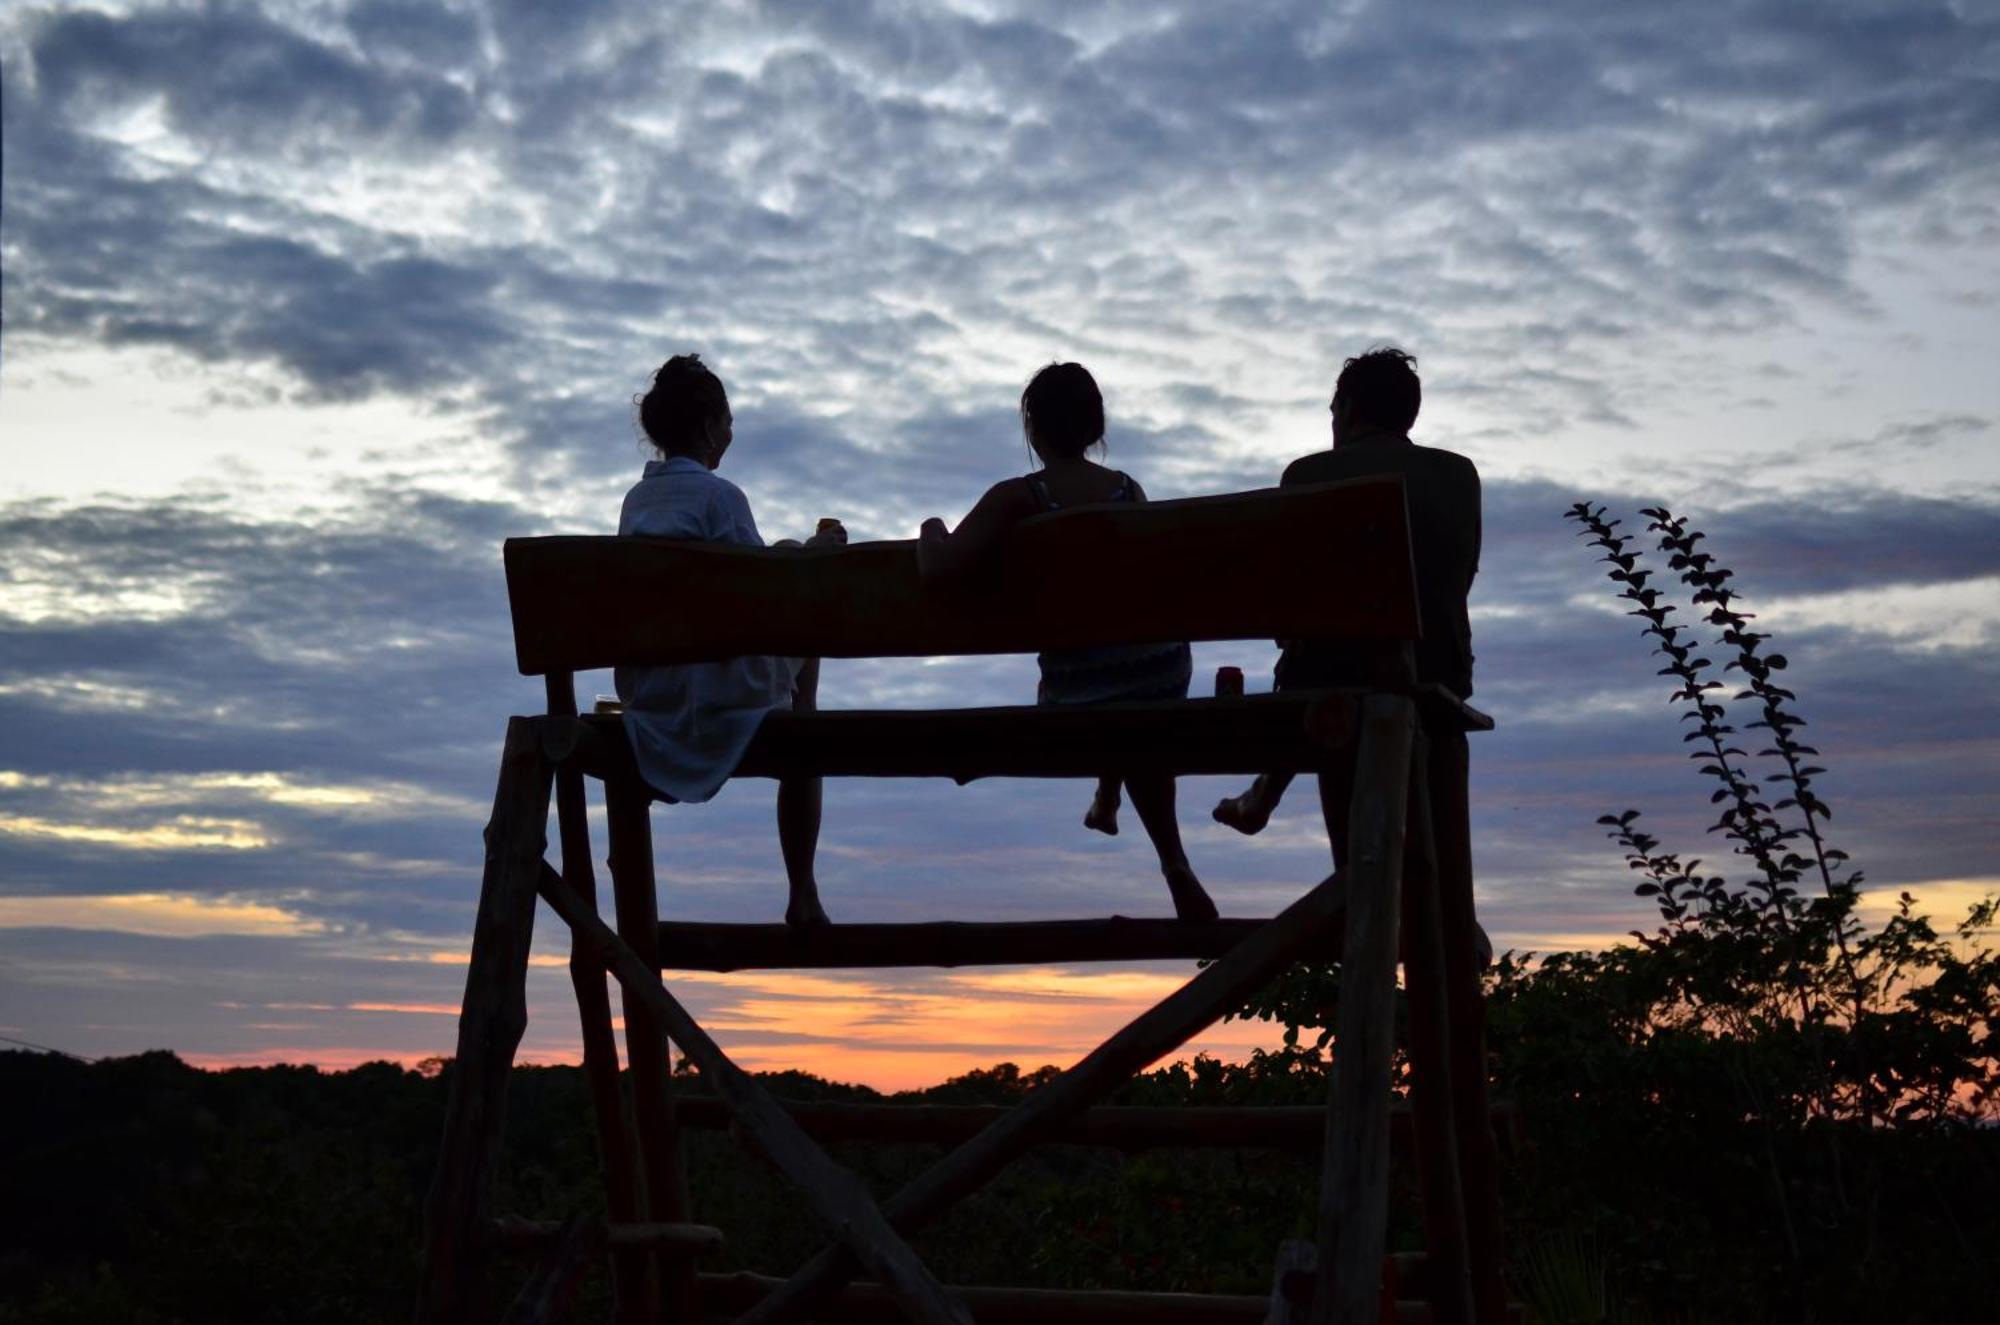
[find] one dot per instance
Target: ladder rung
(701, 946)
(512, 1231)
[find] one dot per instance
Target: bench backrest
(1328, 561)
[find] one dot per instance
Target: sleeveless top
(1107, 673)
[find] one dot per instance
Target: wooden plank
(836, 1196)
(1203, 568)
(708, 946)
(868, 1304)
(1260, 733)
(492, 1018)
(1354, 1188)
(513, 1232)
(1221, 988)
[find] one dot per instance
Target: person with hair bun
(1062, 413)
(690, 723)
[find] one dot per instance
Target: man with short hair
(1375, 403)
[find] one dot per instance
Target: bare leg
(1153, 798)
(798, 818)
(1102, 816)
(1249, 812)
(1336, 790)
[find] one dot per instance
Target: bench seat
(1294, 732)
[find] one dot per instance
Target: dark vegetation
(1763, 1109)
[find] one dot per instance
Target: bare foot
(1191, 900)
(806, 912)
(1102, 816)
(1247, 813)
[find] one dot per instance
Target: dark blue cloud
(236, 79)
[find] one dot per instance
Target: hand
(831, 533)
(931, 537)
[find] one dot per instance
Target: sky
(307, 307)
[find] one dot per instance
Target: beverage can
(1228, 682)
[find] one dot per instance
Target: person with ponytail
(1062, 413)
(690, 723)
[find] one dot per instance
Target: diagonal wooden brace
(836, 1195)
(1219, 989)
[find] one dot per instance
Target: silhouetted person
(1062, 413)
(690, 723)
(1375, 403)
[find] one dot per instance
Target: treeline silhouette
(144, 1190)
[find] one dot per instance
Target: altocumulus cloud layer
(1725, 257)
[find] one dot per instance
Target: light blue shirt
(690, 723)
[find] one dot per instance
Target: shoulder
(1448, 464)
(1012, 496)
(722, 490)
(1314, 468)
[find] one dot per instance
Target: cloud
(155, 914)
(871, 209)
(1610, 233)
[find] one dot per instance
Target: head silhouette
(1062, 411)
(687, 412)
(1377, 391)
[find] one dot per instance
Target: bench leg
(491, 1021)
(1354, 1184)
(1478, 1155)
(1431, 1094)
(635, 1292)
(628, 809)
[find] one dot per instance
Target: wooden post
(1354, 1187)
(1478, 1155)
(1219, 989)
(490, 1024)
(635, 1292)
(635, 1289)
(627, 805)
(836, 1195)
(1450, 1287)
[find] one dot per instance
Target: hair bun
(681, 365)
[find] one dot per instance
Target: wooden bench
(1326, 562)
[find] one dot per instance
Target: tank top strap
(1040, 491)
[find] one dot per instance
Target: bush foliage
(1764, 1108)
